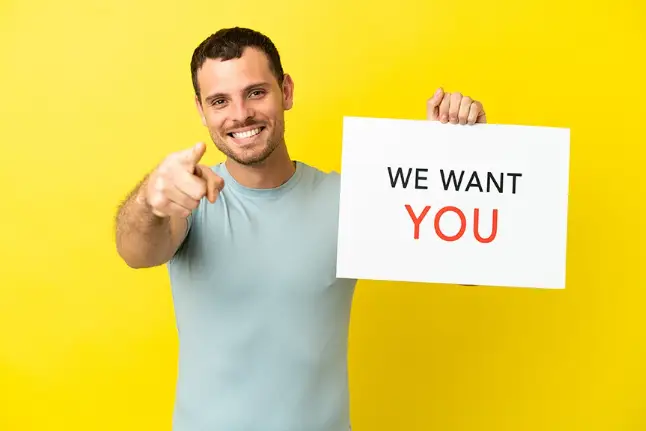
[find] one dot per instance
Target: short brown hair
(228, 43)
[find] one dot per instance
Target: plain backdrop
(94, 93)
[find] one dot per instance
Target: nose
(241, 112)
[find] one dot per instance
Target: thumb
(214, 183)
(432, 105)
(194, 154)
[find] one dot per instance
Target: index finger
(192, 155)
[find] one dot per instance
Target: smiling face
(242, 105)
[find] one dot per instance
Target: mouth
(244, 136)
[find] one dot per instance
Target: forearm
(143, 239)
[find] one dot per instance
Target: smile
(247, 133)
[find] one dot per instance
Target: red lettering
(417, 220)
(463, 223)
(476, 226)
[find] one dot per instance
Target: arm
(153, 221)
(144, 239)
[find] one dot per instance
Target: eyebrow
(209, 98)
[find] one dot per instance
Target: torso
(262, 318)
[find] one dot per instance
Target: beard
(250, 156)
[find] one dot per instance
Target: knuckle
(197, 191)
(164, 168)
(157, 200)
(160, 185)
(202, 189)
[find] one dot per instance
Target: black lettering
(513, 186)
(491, 179)
(451, 176)
(399, 174)
(473, 183)
(418, 178)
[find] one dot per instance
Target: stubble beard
(250, 157)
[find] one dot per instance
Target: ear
(200, 110)
(288, 92)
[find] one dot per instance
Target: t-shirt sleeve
(189, 224)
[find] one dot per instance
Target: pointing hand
(177, 185)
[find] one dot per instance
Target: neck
(271, 173)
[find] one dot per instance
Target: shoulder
(318, 179)
(319, 192)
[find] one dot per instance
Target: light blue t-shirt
(262, 318)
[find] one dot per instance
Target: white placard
(482, 204)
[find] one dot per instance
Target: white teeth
(247, 134)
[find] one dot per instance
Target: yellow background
(95, 93)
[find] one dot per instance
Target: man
(251, 251)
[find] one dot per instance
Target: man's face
(243, 106)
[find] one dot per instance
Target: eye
(217, 102)
(256, 93)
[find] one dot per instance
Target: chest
(272, 247)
